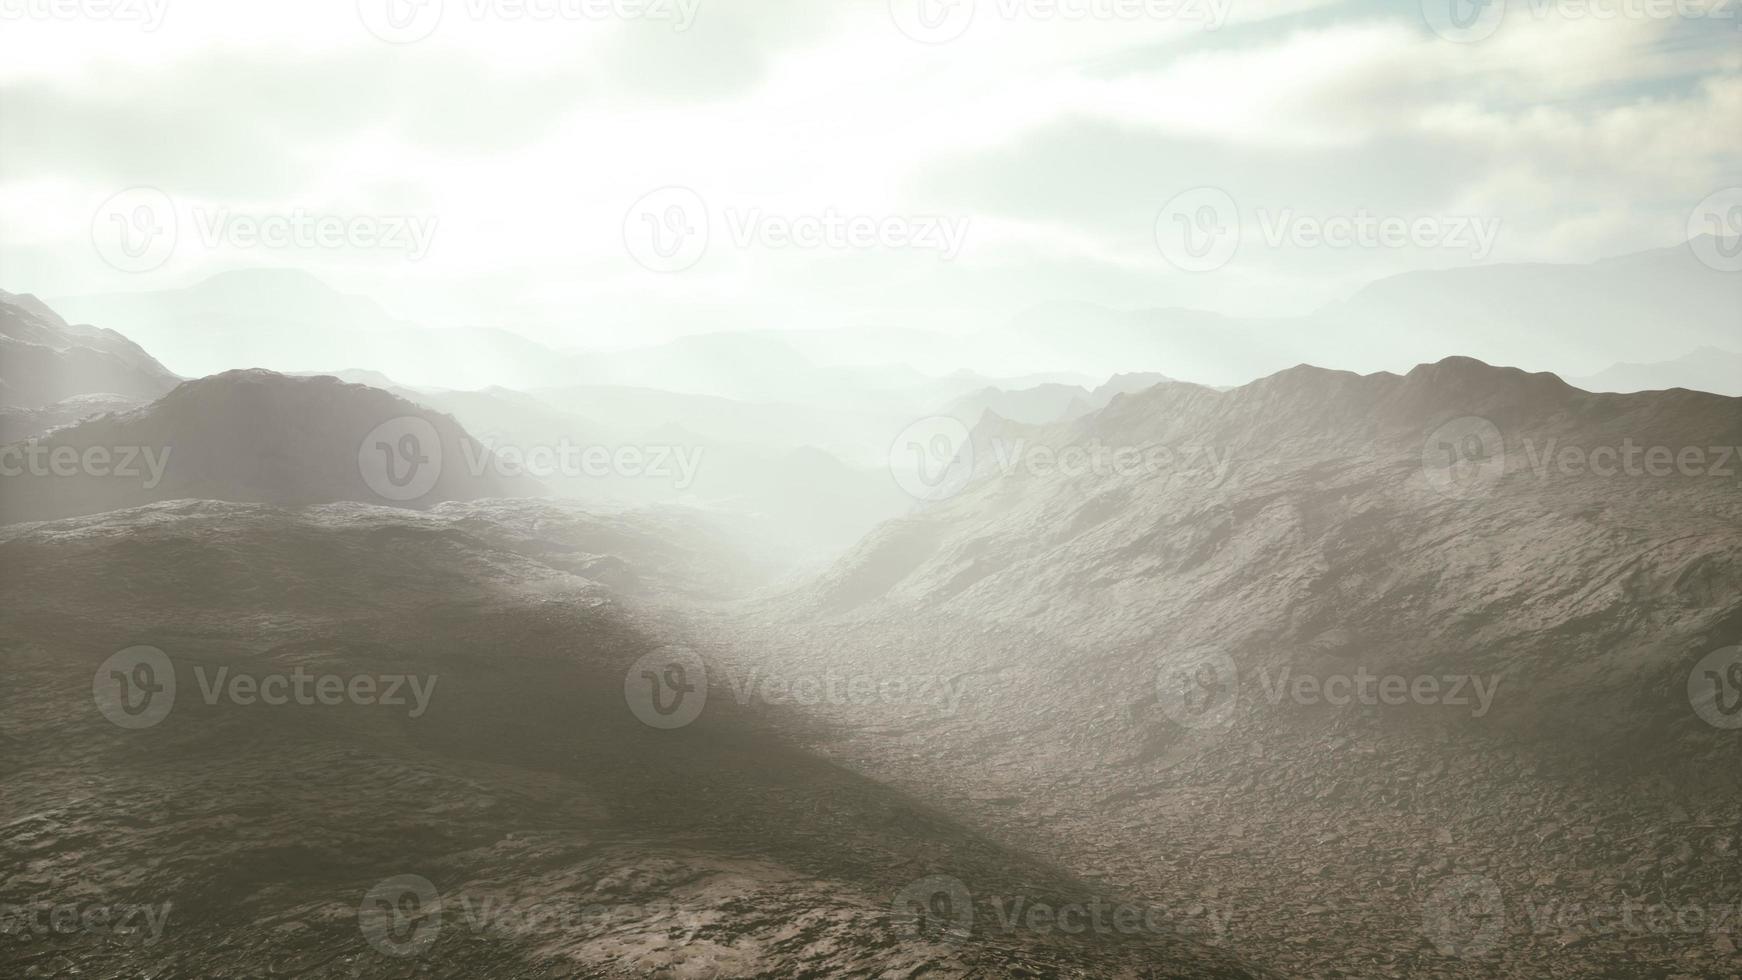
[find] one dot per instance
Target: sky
(604, 173)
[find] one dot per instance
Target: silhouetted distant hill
(256, 436)
(1707, 369)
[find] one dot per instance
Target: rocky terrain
(556, 834)
(44, 359)
(1327, 675)
(255, 436)
(19, 424)
(1550, 774)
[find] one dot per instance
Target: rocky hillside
(1313, 648)
(44, 359)
(504, 813)
(254, 436)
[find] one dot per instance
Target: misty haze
(870, 488)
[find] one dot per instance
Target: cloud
(529, 138)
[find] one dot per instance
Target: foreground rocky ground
(1358, 708)
(1335, 843)
(504, 814)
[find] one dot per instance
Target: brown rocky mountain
(1164, 660)
(254, 436)
(1324, 675)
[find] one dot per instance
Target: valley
(1343, 676)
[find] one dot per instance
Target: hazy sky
(947, 162)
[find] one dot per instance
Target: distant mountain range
(1572, 319)
(1707, 369)
(290, 321)
(1045, 403)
